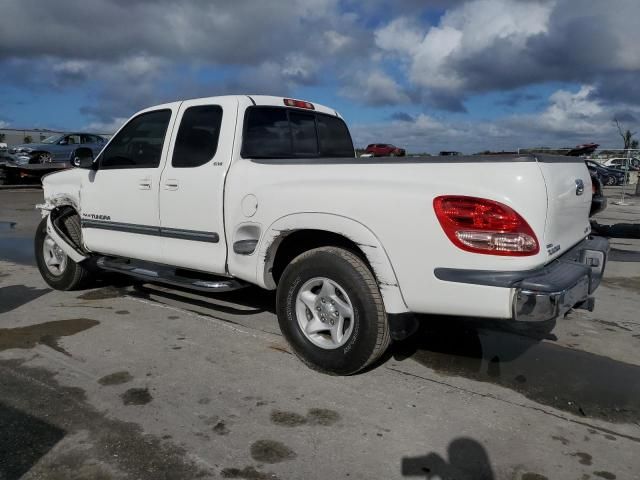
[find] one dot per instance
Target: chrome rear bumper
(548, 292)
(562, 285)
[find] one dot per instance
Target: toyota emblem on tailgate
(579, 187)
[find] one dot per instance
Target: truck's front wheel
(331, 312)
(56, 268)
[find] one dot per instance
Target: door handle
(144, 184)
(171, 184)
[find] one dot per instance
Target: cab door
(192, 185)
(119, 201)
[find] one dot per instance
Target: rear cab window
(280, 132)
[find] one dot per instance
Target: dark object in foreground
(618, 230)
(13, 174)
(598, 200)
(582, 150)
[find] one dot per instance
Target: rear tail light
(290, 102)
(484, 226)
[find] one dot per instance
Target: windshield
(52, 139)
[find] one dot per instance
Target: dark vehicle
(385, 150)
(598, 200)
(31, 161)
(584, 149)
(608, 176)
(449, 154)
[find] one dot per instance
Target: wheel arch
(294, 234)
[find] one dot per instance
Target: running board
(151, 272)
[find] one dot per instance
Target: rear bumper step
(548, 292)
(155, 273)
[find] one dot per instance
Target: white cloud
(401, 35)
(336, 41)
(3, 124)
(105, 127)
(569, 119)
(461, 33)
(575, 112)
(374, 88)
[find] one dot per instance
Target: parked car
(385, 150)
(56, 148)
(218, 193)
(621, 163)
(607, 175)
(4, 152)
(598, 199)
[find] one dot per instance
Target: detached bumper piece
(564, 284)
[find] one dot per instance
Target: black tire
(75, 275)
(370, 334)
(611, 180)
(3, 177)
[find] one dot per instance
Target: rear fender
(351, 229)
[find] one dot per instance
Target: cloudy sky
(428, 75)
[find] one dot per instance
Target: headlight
(22, 160)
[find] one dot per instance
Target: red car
(385, 150)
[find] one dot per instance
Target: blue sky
(427, 75)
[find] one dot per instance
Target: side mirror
(83, 158)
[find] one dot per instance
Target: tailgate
(568, 186)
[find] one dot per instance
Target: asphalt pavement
(131, 380)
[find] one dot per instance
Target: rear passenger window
(197, 139)
(334, 137)
(139, 143)
(276, 132)
(268, 133)
(303, 130)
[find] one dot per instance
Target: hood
(33, 146)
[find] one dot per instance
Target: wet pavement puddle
(5, 226)
(17, 250)
(93, 439)
(136, 396)
(271, 451)
(48, 334)
(117, 378)
(575, 381)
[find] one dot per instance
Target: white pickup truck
(217, 193)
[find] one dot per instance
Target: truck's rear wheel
(331, 312)
(56, 268)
